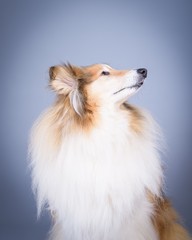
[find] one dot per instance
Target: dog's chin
(132, 90)
(136, 86)
(125, 93)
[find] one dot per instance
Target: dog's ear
(64, 79)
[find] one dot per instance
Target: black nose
(142, 71)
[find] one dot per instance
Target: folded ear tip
(51, 72)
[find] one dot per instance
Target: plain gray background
(35, 35)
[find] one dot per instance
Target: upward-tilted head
(95, 85)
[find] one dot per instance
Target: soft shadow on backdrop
(125, 34)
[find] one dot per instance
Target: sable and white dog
(95, 161)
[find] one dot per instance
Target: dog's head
(97, 84)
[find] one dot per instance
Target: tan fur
(118, 73)
(83, 76)
(92, 72)
(96, 69)
(136, 118)
(166, 220)
(63, 114)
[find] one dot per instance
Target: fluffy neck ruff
(95, 170)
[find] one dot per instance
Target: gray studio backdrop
(125, 34)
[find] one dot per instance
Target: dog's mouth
(136, 86)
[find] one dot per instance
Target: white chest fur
(97, 184)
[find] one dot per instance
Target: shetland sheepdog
(95, 159)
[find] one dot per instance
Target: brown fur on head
(71, 82)
(98, 84)
(66, 80)
(83, 91)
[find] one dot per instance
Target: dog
(95, 159)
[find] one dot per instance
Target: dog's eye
(105, 73)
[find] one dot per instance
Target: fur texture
(95, 161)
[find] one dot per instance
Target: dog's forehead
(97, 68)
(106, 67)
